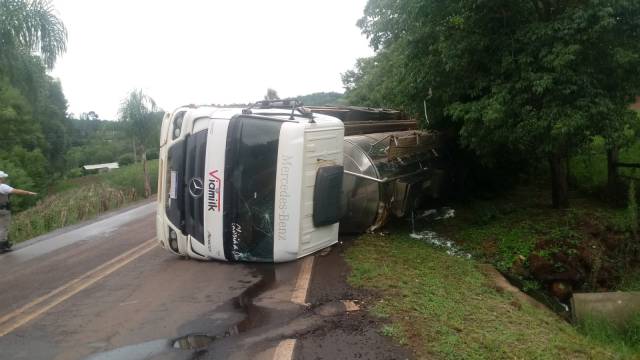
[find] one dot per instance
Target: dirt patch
(353, 335)
(504, 286)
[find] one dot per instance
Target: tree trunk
(612, 173)
(135, 157)
(559, 179)
(147, 182)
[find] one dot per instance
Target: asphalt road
(106, 290)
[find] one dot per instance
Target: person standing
(5, 210)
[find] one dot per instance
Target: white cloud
(204, 51)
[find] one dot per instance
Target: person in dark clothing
(5, 210)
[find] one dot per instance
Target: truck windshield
(249, 189)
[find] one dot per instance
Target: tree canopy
(533, 79)
(31, 25)
(321, 98)
(271, 95)
(34, 135)
(40, 142)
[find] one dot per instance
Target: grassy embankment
(84, 198)
(445, 307)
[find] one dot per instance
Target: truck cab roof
(282, 114)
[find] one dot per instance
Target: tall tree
(138, 111)
(271, 95)
(31, 25)
(539, 78)
(34, 136)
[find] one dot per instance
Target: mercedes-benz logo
(196, 187)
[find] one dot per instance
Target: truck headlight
(173, 240)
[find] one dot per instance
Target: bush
(67, 208)
(132, 177)
(74, 173)
(126, 159)
(152, 154)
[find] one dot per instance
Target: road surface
(106, 290)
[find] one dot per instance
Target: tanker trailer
(276, 181)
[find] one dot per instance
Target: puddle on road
(254, 316)
(193, 342)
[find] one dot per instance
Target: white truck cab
(256, 184)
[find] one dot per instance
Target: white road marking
(285, 348)
(299, 295)
(129, 303)
(284, 351)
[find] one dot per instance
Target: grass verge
(82, 199)
(445, 307)
(625, 339)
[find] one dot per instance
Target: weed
(624, 339)
(395, 332)
(529, 285)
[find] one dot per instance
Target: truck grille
(186, 158)
(194, 180)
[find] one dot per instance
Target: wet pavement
(61, 300)
(151, 304)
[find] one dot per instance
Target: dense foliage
(519, 79)
(321, 98)
(32, 106)
(39, 142)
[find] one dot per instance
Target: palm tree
(31, 26)
(138, 109)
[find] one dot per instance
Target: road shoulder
(70, 228)
(355, 334)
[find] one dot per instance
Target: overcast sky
(189, 51)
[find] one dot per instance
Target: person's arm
(22, 192)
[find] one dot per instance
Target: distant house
(98, 168)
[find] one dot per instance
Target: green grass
(625, 339)
(444, 307)
(589, 167)
(81, 199)
(630, 281)
(505, 228)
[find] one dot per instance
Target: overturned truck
(277, 181)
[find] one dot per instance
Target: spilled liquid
(199, 343)
(438, 241)
(254, 315)
(431, 237)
